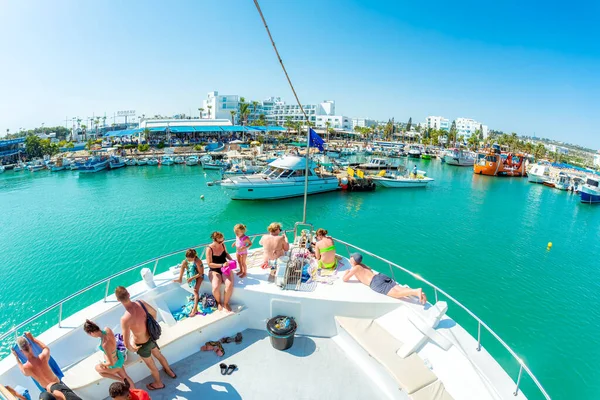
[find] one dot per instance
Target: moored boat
(166, 160)
(116, 162)
(378, 164)
(94, 164)
(36, 165)
(131, 162)
(539, 173)
(179, 160)
(152, 161)
(281, 179)
(459, 158)
(590, 191)
(392, 180)
(494, 163)
(209, 162)
(142, 161)
(191, 161)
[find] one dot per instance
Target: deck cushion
(410, 372)
(435, 391)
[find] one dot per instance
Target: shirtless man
(38, 368)
(379, 282)
(137, 339)
(273, 245)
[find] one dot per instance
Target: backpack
(153, 328)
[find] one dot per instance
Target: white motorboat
(539, 173)
(414, 151)
(166, 160)
(371, 346)
(281, 179)
(459, 157)
(191, 161)
(20, 166)
(36, 165)
(209, 162)
(152, 161)
(590, 191)
(179, 160)
(562, 181)
(401, 181)
(131, 162)
(378, 164)
(142, 161)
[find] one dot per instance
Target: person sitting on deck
(38, 368)
(379, 282)
(112, 365)
(325, 250)
(217, 257)
(273, 244)
(193, 268)
(122, 391)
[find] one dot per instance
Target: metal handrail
(106, 281)
(523, 366)
(392, 265)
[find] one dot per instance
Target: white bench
(83, 375)
(410, 373)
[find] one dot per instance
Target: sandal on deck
(238, 338)
(223, 368)
(227, 339)
(230, 369)
(151, 386)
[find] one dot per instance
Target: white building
(335, 121)
(466, 127)
(557, 149)
(597, 160)
(438, 123)
(363, 122)
(220, 106)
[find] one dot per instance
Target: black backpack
(153, 328)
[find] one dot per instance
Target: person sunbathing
(380, 283)
(325, 250)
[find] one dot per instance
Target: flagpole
(306, 171)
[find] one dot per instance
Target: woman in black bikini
(217, 257)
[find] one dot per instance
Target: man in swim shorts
(379, 282)
(38, 368)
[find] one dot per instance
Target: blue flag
(316, 140)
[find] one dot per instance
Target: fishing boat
(20, 166)
(209, 162)
(539, 173)
(60, 164)
(191, 161)
(75, 165)
(413, 151)
(590, 191)
(131, 162)
(576, 184)
(459, 158)
(166, 160)
(94, 164)
(142, 161)
(115, 162)
(36, 165)
(179, 160)
(152, 161)
(562, 181)
(393, 180)
(494, 163)
(283, 178)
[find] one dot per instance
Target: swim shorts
(382, 284)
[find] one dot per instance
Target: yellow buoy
(549, 245)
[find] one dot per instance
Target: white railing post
(436, 294)
(518, 381)
(60, 315)
(106, 290)
(155, 266)
(479, 336)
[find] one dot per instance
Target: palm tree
(97, 121)
(244, 112)
(200, 110)
(209, 107)
(232, 112)
(83, 129)
(254, 106)
(327, 126)
(104, 121)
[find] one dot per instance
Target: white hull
(536, 178)
(191, 163)
(401, 182)
(459, 162)
(272, 190)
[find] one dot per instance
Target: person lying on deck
(325, 250)
(379, 282)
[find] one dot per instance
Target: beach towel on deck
(36, 351)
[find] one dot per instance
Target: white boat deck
(314, 368)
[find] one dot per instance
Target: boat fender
(344, 181)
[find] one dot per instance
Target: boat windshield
(490, 158)
(592, 182)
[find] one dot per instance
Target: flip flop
(223, 368)
(174, 375)
(238, 338)
(230, 369)
(227, 340)
(150, 386)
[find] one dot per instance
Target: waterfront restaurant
(10, 150)
(191, 131)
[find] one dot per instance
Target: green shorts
(145, 349)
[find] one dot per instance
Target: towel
(36, 351)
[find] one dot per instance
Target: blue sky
(515, 66)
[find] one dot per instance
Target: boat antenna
(299, 104)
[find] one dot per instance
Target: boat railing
(480, 323)
(392, 266)
(153, 262)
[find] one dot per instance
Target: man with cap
(39, 369)
(379, 282)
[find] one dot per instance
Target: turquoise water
(482, 239)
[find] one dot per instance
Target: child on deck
(242, 244)
(194, 273)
